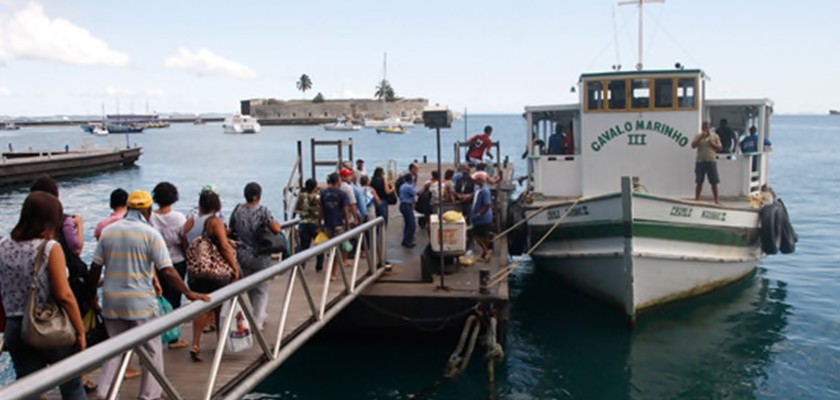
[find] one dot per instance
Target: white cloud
(30, 34)
(206, 63)
(156, 93)
(5, 92)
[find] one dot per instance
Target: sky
(74, 57)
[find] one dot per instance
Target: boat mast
(641, 4)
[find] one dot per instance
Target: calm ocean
(775, 335)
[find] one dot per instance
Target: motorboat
(615, 215)
(241, 124)
(392, 129)
(387, 122)
(342, 124)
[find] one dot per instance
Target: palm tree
(385, 90)
(304, 84)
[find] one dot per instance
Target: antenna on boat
(641, 4)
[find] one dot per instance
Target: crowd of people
(143, 253)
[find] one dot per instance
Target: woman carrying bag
(31, 249)
(248, 222)
(207, 225)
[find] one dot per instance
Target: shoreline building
(308, 112)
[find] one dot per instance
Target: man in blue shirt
(749, 145)
(407, 195)
(557, 141)
(482, 215)
(335, 211)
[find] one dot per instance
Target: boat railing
(322, 307)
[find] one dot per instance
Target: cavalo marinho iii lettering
(640, 125)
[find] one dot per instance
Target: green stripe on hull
(742, 237)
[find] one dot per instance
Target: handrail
(131, 341)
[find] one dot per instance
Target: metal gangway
(233, 375)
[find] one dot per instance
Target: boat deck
(20, 167)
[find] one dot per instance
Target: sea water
(774, 335)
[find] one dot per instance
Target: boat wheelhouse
(614, 201)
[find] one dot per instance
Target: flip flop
(180, 344)
(195, 355)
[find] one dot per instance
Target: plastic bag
(240, 337)
(165, 308)
(321, 237)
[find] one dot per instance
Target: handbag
(204, 261)
(272, 243)
(48, 326)
(94, 324)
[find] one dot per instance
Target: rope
(528, 218)
(504, 272)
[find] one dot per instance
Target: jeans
(27, 359)
(409, 223)
(307, 233)
(382, 210)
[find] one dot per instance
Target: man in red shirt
(479, 146)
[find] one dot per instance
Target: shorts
(482, 231)
(206, 286)
(706, 168)
(473, 161)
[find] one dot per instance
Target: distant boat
(198, 121)
(342, 124)
(9, 126)
(123, 128)
(833, 112)
(387, 122)
(241, 124)
(392, 130)
(21, 167)
(100, 130)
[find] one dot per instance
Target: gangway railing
(370, 238)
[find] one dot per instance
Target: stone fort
(303, 112)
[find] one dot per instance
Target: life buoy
(771, 228)
(789, 236)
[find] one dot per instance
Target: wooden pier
(400, 299)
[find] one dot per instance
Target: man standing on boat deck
(479, 146)
(727, 137)
(706, 143)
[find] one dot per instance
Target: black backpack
(78, 275)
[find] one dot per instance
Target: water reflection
(565, 345)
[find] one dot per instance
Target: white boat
(9, 126)
(615, 214)
(241, 124)
(99, 130)
(342, 124)
(388, 122)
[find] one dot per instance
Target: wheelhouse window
(617, 94)
(594, 95)
(686, 92)
(640, 93)
(663, 93)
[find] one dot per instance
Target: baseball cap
(139, 199)
(346, 172)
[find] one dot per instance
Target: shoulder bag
(272, 243)
(48, 326)
(205, 261)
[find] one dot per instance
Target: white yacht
(241, 124)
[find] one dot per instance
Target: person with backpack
(308, 208)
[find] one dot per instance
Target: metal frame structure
(370, 237)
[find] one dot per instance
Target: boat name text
(685, 212)
(575, 212)
(638, 139)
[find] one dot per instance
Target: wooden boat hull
(638, 251)
(22, 167)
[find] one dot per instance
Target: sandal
(89, 386)
(195, 354)
(181, 343)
